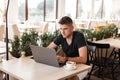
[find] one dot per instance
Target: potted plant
(23, 44)
(27, 39)
(15, 47)
(88, 33)
(100, 33)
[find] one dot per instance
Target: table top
(28, 69)
(113, 42)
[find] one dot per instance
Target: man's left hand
(61, 59)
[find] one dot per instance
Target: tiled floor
(107, 76)
(96, 78)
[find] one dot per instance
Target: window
(21, 7)
(36, 9)
(70, 8)
(98, 9)
(44, 10)
(50, 10)
(80, 10)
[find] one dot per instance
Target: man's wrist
(66, 59)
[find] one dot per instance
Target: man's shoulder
(59, 37)
(77, 33)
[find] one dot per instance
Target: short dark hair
(65, 20)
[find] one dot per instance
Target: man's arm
(82, 56)
(52, 45)
(81, 59)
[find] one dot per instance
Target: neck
(69, 39)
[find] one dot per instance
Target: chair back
(101, 53)
(90, 53)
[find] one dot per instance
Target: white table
(113, 42)
(28, 69)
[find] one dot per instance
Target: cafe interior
(35, 22)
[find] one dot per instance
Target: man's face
(66, 30)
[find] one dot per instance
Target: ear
(72, 27)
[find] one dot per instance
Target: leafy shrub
(47, 38)
(23, 43)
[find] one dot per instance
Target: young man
(73, 43)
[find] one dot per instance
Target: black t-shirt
(72, 49)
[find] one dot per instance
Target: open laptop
(45, 55)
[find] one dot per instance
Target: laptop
(45, 55)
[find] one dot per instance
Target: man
(72, 42)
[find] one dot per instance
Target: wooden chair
(114, 62)
(90, 53)
(99, 59)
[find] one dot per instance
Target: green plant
(15, 47)
(47, 38)
(88, 33)
(105, 32)
(27, 39)
(23, 43)
(109, 30)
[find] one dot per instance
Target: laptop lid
(44, 55)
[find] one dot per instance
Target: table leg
(1, 75)
(119, 55)
(12, 78)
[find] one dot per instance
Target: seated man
(73, 43)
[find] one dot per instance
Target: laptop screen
(45, 55)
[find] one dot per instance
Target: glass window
(21, 11)
(35, 9)
(98, 9)
(70, 8)
(38, 10)
(112, 9)
(80, 10)
(84, 9)
(50, 10)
